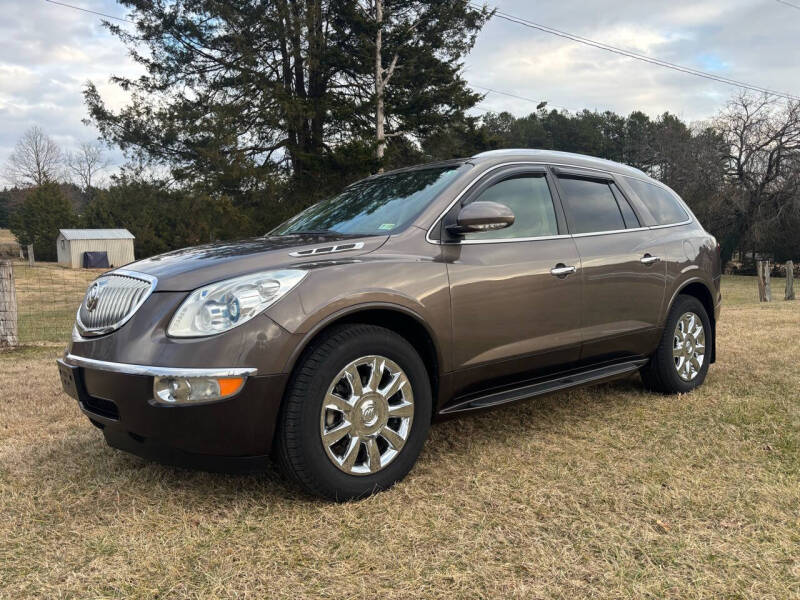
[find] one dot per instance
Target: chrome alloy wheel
(689, 346)
(366, 415)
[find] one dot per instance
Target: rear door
(513, 311)
(623, 273)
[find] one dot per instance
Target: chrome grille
(111, 300)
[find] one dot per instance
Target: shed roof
(96, 234)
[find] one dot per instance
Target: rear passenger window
(529, 198)
(590, 206)
(661, 203)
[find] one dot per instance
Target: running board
(505, 396)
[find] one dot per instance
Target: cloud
(745, 40)
(48, 53)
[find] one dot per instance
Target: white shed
(72, 243)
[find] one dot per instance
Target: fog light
(186, 390)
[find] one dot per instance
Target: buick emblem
(93, 297)
(368, 413)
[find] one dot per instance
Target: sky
(48, 53)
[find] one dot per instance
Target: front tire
(680, 363)
(356, 413)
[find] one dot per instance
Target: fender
(712, 317)
(353, 309)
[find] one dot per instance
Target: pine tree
(235, 90)
(37, 220)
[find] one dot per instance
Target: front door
(515, 292)
(624, 276)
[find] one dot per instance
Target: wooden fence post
(8, 306)
(789, 280)
(762, 271)
(30, 255)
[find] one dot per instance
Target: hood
(190, 268)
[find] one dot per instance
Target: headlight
(224, 305)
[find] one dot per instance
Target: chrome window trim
(686, 222)
(504, 240)
(89, 332)
(152, 371)
(609, 232)
(548, 237)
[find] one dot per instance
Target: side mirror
(481, 216)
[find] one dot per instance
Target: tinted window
(631, 221)
(590, 206)
(376, 206)
(664, 207)
(529, 199)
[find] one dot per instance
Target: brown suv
(332, 342)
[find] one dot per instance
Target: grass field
(9, 248)
(604, 492)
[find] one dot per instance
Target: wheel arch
(697, 288)
(401, 320)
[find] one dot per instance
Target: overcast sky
(48, 52)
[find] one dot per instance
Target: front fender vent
(328, 249)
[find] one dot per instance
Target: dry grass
(604, 492)
(9, 248)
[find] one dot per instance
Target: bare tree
(763, 135)
(36, 159)
(86, 163)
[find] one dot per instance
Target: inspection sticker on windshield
(387, 226)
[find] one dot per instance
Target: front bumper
(227, 435)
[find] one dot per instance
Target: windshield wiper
(314, 232)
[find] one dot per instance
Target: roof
(572, 158)
(96, 234)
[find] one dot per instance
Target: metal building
(72, 243)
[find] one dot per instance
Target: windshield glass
(375, 206)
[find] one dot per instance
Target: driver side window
(528, 197)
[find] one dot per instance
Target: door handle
(649, 260)
(561, 270)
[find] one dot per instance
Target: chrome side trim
(686, 222)
(92, 332)
(549, 237)
(328, 249)
(610, 232)
(502, 240)
(152, 371)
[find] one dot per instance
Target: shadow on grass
(81, 458)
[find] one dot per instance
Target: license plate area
(69, 379)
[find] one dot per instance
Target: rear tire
(356, 413)
(680, 363)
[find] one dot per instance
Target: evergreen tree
(164, 219)
(37, 220)
(5, 199)
(234, 90)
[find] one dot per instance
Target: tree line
(249, 111)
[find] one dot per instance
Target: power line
(648, 59)
(788, 4)
(86, 10)
(518, 97)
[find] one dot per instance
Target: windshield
(376, 206)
